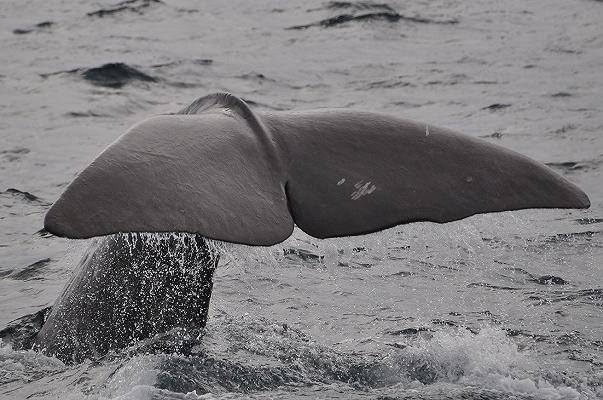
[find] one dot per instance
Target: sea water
(499, 306)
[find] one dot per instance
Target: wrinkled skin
(130, 287)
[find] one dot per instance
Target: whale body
(130, 287)
(220, 171)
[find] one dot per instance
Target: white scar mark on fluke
(362, 189)
(426, 130)
(341, 182)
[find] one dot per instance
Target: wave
(32, 271)
(21, 332)
(115, 75)
(589, 221)
(496, 106)
(39, 27)
(366, 11)
(14, 154)
(592, 296)
(136, 6)
(112, 75)
(376, 16)
(571, 166)
(573, 236)
(24, 196)
(239, 357)
(358, 5)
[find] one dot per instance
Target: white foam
(488, 359)
(25, 365)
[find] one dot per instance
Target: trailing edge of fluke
(221, 170)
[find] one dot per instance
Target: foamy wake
(449, 360)
(488, 360)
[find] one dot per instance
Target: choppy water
(493, 307)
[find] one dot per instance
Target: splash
(176, 245)
(19, 366)
(488, 359)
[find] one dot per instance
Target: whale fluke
(223, 171)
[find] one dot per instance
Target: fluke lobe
(221, 171)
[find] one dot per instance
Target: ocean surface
(499, 306)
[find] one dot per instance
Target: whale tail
(220, 170)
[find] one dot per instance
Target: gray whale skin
(220, 171)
